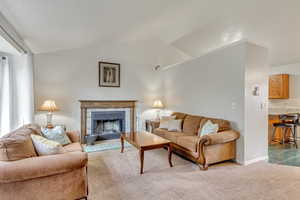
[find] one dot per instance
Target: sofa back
(17, 145)
(179, 115)
(224, 125)
(192, 123)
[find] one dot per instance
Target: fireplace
(105, 120)
(107, 125)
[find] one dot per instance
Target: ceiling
(193, 27)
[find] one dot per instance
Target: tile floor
(285, 154)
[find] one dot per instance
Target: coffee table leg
(122, 144)
(170, 155)
(142, 160)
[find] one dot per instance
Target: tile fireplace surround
(90, 107)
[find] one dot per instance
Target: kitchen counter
(281, 111)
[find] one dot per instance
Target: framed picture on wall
(109, 74)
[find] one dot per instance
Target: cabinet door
(279, 86)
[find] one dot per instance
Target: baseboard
(248, 162)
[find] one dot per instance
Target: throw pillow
(57, 134)
(208, 128)
(164, 121)
(175, 125)
(16, 145)
(45, 147)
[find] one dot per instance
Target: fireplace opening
(106, 125)
(108, 129)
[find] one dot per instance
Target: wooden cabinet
(279, 86)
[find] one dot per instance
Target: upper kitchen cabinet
(279, 86)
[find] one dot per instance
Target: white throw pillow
(56, 134)
(208, 128)
(45, 147)
(164, 121)
(175, 125)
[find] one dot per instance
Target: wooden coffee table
(145, 141)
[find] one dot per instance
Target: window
(5, 94)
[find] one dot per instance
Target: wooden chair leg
(273, 133)
(294, 131)
(284, 134)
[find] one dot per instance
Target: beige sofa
(53, 177)
(205, 150)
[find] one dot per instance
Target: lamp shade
(49, 105)
(157, 104)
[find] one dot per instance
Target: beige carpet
(114, 176)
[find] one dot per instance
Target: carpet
(104, 146)
(115, 176)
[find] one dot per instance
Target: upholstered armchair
(51, 177)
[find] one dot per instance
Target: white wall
(256, 110)
(72, 75)
(218, 85)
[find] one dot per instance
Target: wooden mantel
(90, 104)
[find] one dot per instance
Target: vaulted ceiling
(191, 26)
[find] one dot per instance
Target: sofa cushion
(175, 125)
(189, 142)
(208, 128)
(56, 134)
(73, 147)
(179, 115)
(173, 136)
(164, 121)
(45, 147)
(17, 145)
(160, 132)
(191, 124)
(224, 125)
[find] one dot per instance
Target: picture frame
(109, 74)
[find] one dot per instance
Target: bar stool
(287, 122)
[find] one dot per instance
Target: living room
(142, 99)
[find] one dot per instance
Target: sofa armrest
(41, 166)
(74, 136)
(221, 137)
(154, 124)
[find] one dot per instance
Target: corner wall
(256, 107)
(219, 85)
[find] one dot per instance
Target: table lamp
(157, 104)
(50, 107)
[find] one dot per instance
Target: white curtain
(16, 92)
(5, 95)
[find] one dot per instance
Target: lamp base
(50, 126)
(157, 118)
(49, 120)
